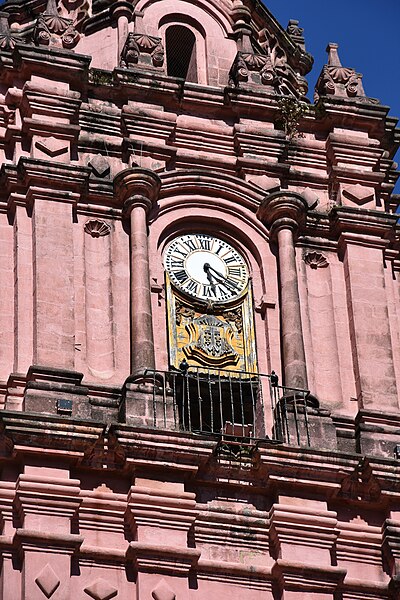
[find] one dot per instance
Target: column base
(148, 404)
(57, 392)
(377, 432)
(300, 422)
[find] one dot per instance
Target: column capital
(122, 8)
(283, 210)
(137, 187)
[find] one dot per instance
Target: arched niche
(231, 216)
(211, 27)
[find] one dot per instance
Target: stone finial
(296, 32)
(137, 187)
(333, 55)
(283, 209)
(336, 80)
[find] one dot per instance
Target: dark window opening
(181, 53)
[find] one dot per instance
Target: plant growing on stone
(290, 113)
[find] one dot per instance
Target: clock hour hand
(210, 277)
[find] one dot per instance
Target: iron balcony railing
(232, 404)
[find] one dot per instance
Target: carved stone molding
(97, 228)
(316, 260)
(142, 48)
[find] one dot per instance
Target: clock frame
(206, 268)
(211, 333)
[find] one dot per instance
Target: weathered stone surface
(127, 125)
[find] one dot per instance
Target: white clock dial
(206, 267)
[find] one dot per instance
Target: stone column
(282, 213)
(138, 190)
(122, 12)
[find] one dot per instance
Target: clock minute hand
(225, 280)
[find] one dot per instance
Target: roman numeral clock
(209, 303)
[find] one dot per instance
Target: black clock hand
(210, 277)
(225, 281)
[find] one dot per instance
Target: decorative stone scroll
(257, 67)
(141, 48)
(53, 29)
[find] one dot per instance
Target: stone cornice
(187, 454)
(363, 223)
(68, 65)
(52, 181)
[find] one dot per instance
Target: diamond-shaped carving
(359, 194)
(47, 581)
(52, 146)
(310, 197)
(101, 590)
(100, 166)
(163, 591)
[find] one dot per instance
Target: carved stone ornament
(293, 29)
(77, 10)
(359, 194)
(101, 590)
(7, 40)
(138, 46)
(236, 317)
(163, 591)
(100, 166)
(316, 260)
(53, 29)
(338, 80)
(183, 312)
(97, 228)
(211, 341)
(47, 581)
(246, 62)
(361, 485)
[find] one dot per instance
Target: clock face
(206, 268)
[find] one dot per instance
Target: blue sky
(367, 32)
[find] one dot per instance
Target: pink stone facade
(124, 125)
